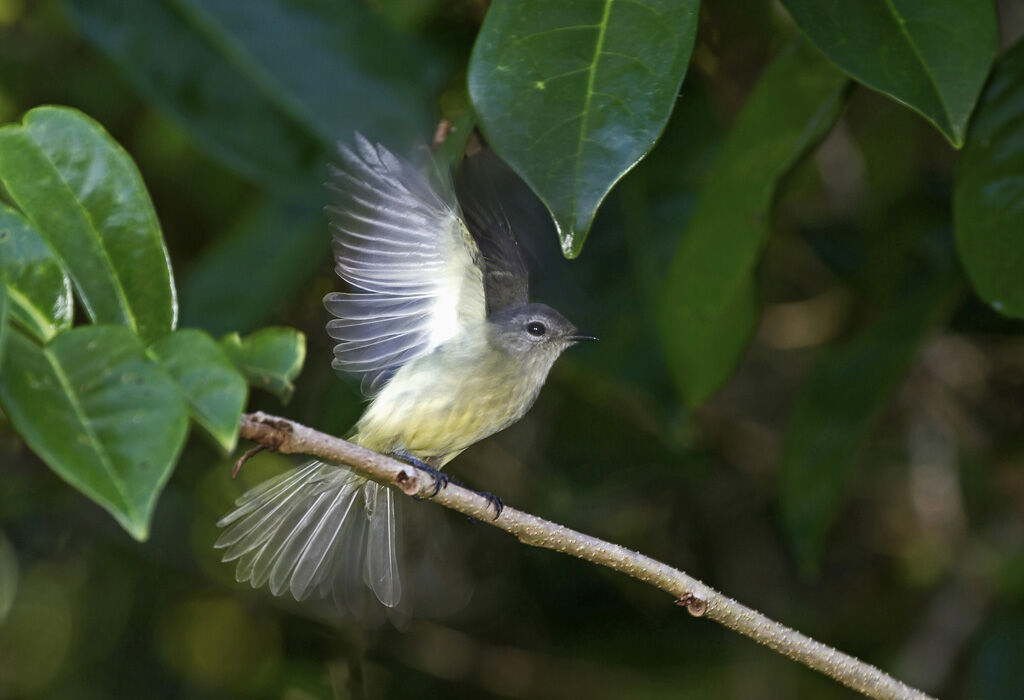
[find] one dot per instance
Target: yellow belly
(440, 404)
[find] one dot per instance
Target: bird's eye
(536, 328)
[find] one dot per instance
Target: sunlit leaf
(271, 358)
(84, 195)
(837, 407)
(102, 415)
(932, 55)
(267, 86)
(572, 95)
(708, 308)
(214, 388)
(38, 287)
(990, 189)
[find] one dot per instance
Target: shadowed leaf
(837, 409)
(708, 308)
(256, 268)
(990, 189)
(932, 55)
(267, 86)
(573, 94)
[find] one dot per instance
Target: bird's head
(533, 332)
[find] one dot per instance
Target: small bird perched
(449, 349)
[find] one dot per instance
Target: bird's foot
(441, 479)
(492, 500)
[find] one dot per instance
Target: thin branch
(284, 436)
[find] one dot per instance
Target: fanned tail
(317, 531)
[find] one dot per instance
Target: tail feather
(318, 529)
(381, 551)
(313, 564)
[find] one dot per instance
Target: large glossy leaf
(989, 190)
(38, 287)
(267, 86)
(100, 413)
(708, 309)
(214, 388)
(932, 55)
(837, 407)
(83, 193)
(573, 94)
(257, 267)
(271, 358)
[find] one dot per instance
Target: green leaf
(267, 86)
(932, 55)
(38, 287)
(573, 95)
(271, 358)
(256, 268)
(84, 195)
(208, 380)
(989, 190)
(837, 408)
(103, 416)
(708, 310)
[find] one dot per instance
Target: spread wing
(506, 277)
(414, 267)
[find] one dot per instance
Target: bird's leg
(492, 500)
(440, 479)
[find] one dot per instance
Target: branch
(286, 437)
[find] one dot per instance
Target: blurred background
(873, 362)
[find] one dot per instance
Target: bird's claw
(492, 500)
(441, 479)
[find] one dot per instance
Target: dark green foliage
(933, 55)
(707, 310)
(837, 408)
(796, 397)
(990, 189)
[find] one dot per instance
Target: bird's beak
(578, 337)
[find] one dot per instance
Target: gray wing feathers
(405, 250)
(506, 276)
(316, 531)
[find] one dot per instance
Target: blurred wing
(506, 277)
(405, 249)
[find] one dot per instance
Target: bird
(438, 325)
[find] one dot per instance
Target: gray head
(533, 332)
